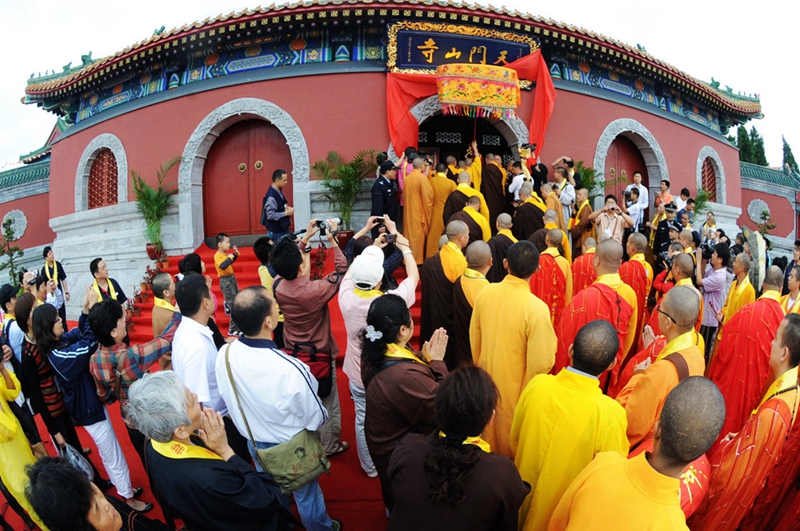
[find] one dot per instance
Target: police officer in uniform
(384, 192)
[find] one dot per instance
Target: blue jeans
(310, 503)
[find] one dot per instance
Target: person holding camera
(304, 303)
(611, 221)
(644, 195)
(569, 166)
(713, 279)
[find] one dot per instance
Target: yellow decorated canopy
(476, 90)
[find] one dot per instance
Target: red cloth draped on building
(402, 90)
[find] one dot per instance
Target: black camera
(627, 194)
(708, 250)
(324, 227)
(390, 238)
(663, 258)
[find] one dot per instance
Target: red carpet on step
(350, 496)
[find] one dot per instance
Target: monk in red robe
(583, 273)
(552, 282)
(638, 274)
(741, 366)
(609, 299)
(743, 462)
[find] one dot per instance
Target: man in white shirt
(680, 202)
(194, 353)
(517, 180)
(277, 393)
(633, 207)
(644, 194)
(566, 194)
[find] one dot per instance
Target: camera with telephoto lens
(663, 258)
(627, 194)
(324, 227)
(708, 250)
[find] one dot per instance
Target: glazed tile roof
(769, 175)
(28, 173)
(71, 80)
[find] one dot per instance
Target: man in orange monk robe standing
(418, 209)
(583, 273)
(638, 274)
(609, 299)
(442, 187)
(552, 283)
(645, 393)
(741, 365)
(744, 461)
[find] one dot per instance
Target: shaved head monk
(741, 366)
(458, 198)
(638, 274)
(740, 293)
(552, 283)
(583, 273)
(563, 421)
(645, 393)
(553, 203)
(617, 494)
(499, 244)
(580, 226)
(762, 455)
(465, 290)
(609, 299)
(439, 274)
(442, 187)
(529, 217)
(538, 238)
(477, 224)
(511, 338)
(418, 209)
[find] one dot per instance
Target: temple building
(239, 95)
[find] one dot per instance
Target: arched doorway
(237, 174)
(443, 135)
(622, 160)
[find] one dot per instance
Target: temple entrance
(622, 160)
(442, 135)
(236, 176)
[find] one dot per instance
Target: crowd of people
(576, 369)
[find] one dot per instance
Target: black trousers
(235, 440)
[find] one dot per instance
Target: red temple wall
(347, 113)
(780, 208)
(36, 210)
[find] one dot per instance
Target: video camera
(663, 258)
(708, 250)
(292, 236)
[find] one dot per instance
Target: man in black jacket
(384, 193)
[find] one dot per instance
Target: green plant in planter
(153, 202)
(343, 181)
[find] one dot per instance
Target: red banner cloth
(402, 90)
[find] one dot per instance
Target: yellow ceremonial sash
(393, 350)
(654, 225)
(534, 200)
(706, 227)
(454, 169)
(552, 251)
(54, 276)
(740, 287)
(161, 303)
(685, 282)
(178, 450)
(785, 304)
(574, 221)
(486, 232)
(367, 293)
(681, 342)
(771, 294)
(783, 383)
(477, 441)
(507, 234)
(562, 185)
(111, 292)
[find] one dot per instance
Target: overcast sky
(740, 44)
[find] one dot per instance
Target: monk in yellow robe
(563, 421)
(442, 188)
(740, 293)
(475, 166)
(644, 395)
(552, 283)
(553, 203)
(418, 211)
(791, 301)
(465, 291)
(617, 494)
(511, 338)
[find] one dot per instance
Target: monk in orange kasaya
(609, 299)
(442, 187)
(418, 209)
(552, 282)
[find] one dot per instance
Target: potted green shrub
(343, 181)
(152, 203)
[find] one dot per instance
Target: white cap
(367, 268)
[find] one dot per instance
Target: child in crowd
(223, 261)
(262, 249)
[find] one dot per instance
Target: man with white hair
(207, 487)
(359, 288)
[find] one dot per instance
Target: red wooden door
(236, 176)
(622, 160)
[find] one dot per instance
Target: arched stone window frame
(708, 152)
(514, 130)
(645, 142)
(97, 144)
(190, 173)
